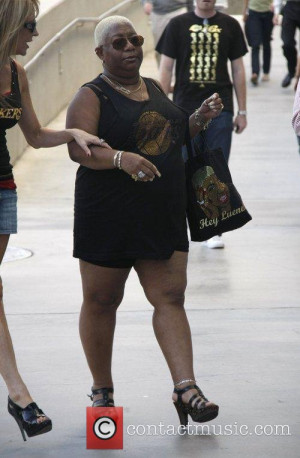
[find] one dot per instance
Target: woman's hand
(83, 139)
(138, 167)
(211, 107)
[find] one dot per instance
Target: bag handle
(189, 145)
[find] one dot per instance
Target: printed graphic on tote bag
(214, 205)
(212, 195)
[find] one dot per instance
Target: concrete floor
(242, 303)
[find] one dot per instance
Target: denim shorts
(8, 211)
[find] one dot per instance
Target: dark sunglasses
(120, 43)
(31, 26)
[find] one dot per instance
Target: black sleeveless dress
(116, 217)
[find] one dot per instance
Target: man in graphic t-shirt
(201, 43)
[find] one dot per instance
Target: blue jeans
(8, 211)
(258, 30)
(290, 23)
(218, 134)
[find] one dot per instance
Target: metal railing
(76, 22)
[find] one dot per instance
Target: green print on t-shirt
(205, 41)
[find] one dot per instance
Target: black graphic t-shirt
(202, 48)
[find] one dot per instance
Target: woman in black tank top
(17, 28)
(130, 211)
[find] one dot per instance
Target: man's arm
(277, 4)
(245, 11)
(239, 84)
(165, 72)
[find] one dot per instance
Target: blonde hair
(13, 14)
(104, 27)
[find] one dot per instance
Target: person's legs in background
(290, 23)
(255, 38)
(267, 27)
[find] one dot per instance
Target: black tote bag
(214, 205)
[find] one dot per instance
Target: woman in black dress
(130, 211)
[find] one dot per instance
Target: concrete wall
(70, 62)
(235, 6)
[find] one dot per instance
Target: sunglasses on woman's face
(31, 26)
(120, 43)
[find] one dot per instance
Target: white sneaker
(215, 242)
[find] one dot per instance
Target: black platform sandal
(199, 413)
(105, 401)
(27, 419)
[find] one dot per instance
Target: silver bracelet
(184, 381)
(201, 123)
(120, 154)
(115, 159)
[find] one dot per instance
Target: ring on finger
(134, 177)
(102, 141)
(222, 106)
(141, 174)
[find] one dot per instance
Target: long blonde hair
(13, 14)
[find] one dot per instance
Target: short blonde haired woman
(17, 29)
(130, 211)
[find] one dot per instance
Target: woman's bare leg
(17, 389)
(164, 283)
(103, 290)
